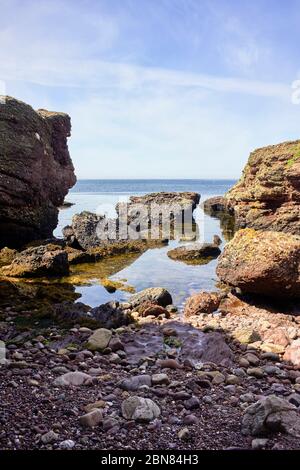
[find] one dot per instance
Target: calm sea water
(153, 268)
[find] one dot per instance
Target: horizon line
(156, 179)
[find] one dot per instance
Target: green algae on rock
(48, 260)
(262, 262)
(267, 196)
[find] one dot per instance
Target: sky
(158, 88)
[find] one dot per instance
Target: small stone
(255, 372)
(99, 340)
(192, 403)
(246, 335)
(247, 398)
(134, 383)
(67, 445)
(96, 405)
(33, 382)
(207, 399)
(18, 356)
(160, 379)
(190, 419)
(169, 364)
(184, 434)
(243, 362)
(258, 444)
(140, 409)
(181, 395)
(84, 329)
(218, 378)
(73, 378)
(271, 370)
(110, 423)
(271, 356)
(230, 388)
(49, 437)
(294, 398)
(174, 420)
(115, 344)
(252, 359)
(114, 358)
(91, 419)
(232, 380)
(60, 370)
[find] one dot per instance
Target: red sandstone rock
(204, 302)
(36, 171)
(268, 194)
(266, 263)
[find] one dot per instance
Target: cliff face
(268, 194)
(36, 171)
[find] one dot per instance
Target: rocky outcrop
(266, 263)
(48, 260)
(36, 171)
(188, 198)
(214, 205)
(195, 253)
(218, 207)
(267, 196)
(163, 213)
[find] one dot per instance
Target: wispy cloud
(99, 74)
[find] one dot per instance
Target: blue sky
(157, 88)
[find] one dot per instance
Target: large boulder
(268, 194)
(36, 171)
(260, 262)
(271, 414)
(48, 260)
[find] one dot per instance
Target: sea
(152, 268)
